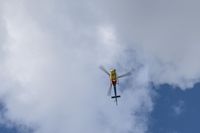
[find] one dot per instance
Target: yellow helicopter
(114, 81)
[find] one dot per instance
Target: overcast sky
(50, 51)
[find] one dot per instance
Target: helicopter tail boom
(116, 98)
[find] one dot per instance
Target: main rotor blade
(104, 70)
(124, 75)
(109, 90)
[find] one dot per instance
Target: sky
(51, 50)
(176, 111)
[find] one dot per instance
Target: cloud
(179, 107)
(51, 51)
(164, 34)
(51, 81)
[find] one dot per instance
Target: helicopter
(114, 80)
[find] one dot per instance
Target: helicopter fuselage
(113, 77)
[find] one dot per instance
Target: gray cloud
(164, 34)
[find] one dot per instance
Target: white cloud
(50, 58)
(179, 107)
(51, 79)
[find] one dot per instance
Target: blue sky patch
(176, 111)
